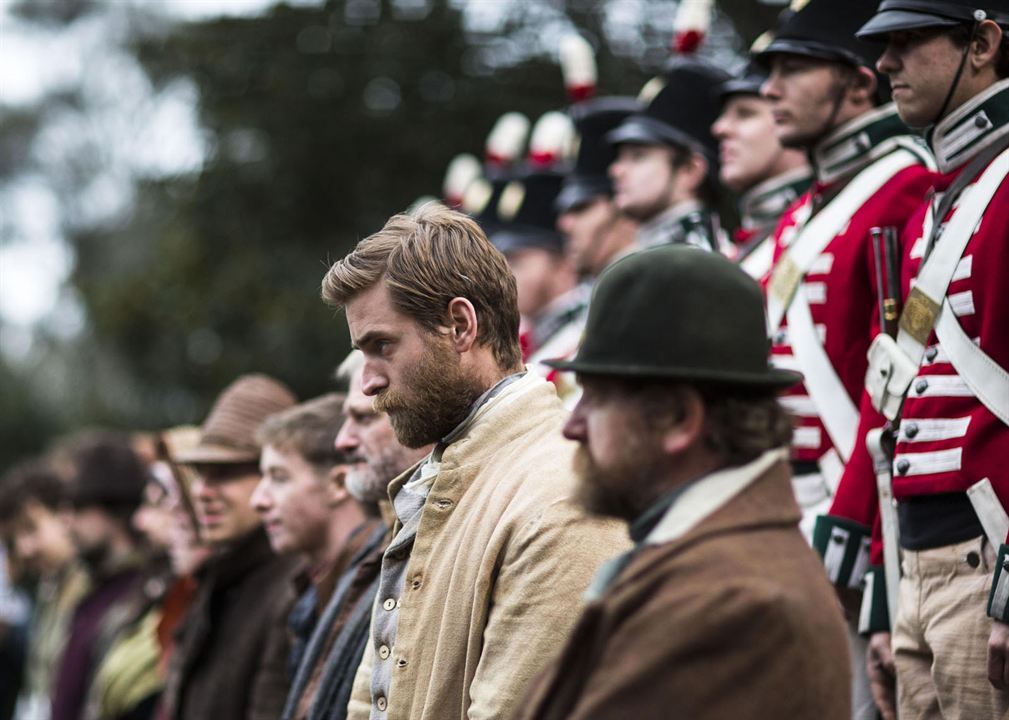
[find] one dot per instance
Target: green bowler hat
(680, 313)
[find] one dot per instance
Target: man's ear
(862, 86)
(984, 47)
(336, 487)
(686, 431)
(696, 171)
(462, 324)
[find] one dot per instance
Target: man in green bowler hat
(721, 610)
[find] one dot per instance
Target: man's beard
(436, 396)
(625, 489)
(370, 483)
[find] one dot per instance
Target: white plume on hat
(691, 25)
(552, 140)
(578, 66)
(506, 139)
(461, 172)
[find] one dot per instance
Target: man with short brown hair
(489, 553)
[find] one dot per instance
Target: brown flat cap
(228, 434)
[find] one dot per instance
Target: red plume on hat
(578, 65)
(691, 26)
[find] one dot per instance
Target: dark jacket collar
(971, 128)
(230, 564)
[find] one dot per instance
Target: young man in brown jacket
(490, 555)
(721, 610)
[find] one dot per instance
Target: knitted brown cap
(228, 434)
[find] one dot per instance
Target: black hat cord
(959, 70)
(828, 125)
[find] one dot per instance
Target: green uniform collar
(971, 128)
(765, 203)
(857, 143)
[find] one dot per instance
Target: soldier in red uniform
(821, 295)
(944, 377)
(752, 162)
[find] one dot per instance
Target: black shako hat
(747, 82)
(894, 15)
(825, 29)
(681, 112)
(526, 216)
(589, 178)
(679, 313)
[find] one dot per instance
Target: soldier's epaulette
(874, 616)
(998, 598)
(844, 546)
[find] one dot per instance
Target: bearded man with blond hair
(490, 555)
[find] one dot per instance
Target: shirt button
(921, 386)
(383, 652)
(415, 584)
(389, 604)
(381, 703)
(903, 465)
(911, 430)
(973, 559)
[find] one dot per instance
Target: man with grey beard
(325, 675)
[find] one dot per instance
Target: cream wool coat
(500, 562)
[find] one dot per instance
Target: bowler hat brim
(888, 21)
(772, 379)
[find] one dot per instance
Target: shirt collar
(857, 143)
(971, 128)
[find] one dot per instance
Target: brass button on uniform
(381, 703)
(389, 604)
(383, 652)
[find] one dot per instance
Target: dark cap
(825, 29)
(679, 313)
(680, 114)
(107, 473)
(894, 15)
(526, 214)
(747, 82)
(589, 178)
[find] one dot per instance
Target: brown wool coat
(496, 576)
(730, 618)
(230, 661)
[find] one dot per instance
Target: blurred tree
(318, 123)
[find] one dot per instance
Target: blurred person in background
(31, 495)
(665, 174)
(308, 511)
(14, 613)
(768, 177)
(103, 493)
(231, 658)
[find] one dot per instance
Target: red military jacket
(948, 439)
(840, 286)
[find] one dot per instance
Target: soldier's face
(748, 146)
(803, 93)
(921, 65)
(644, 180)
(535, 272)
(587, 229)
(39, 539)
